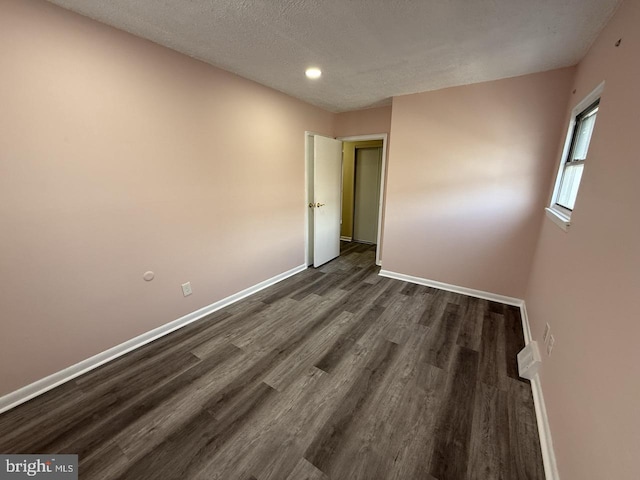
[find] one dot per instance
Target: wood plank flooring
(335, 373)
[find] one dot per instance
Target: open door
(327, 179)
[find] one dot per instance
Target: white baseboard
(546, 445)
(454, 288)
(43, 385)
(346, 239)
(544, 430)
(526, 329)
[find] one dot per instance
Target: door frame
(383, 171)
(383, 174)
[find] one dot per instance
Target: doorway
(366, 196)
(361, 176)
(314, 205)
(364, 167)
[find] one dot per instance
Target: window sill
(558, 218)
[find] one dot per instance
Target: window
(583, 120)
(574, 163)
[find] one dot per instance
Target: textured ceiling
(369, 50)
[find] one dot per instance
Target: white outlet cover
(186, 289)
(529, 361)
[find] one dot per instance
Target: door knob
(311, 205)
(320, 205)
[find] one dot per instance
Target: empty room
(319, 240)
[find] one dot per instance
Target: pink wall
(586, 282)
(119, 156)
(467, 178)
(363, 122)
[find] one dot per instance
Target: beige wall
(363, 122)
(468, 172)
(586, 282)
(119, 156)
(348, 182)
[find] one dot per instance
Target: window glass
(569, 187)
(584, 136)
(574, 165)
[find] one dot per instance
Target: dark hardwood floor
(335, 373)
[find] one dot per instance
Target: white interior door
(327, 178)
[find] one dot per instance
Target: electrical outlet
(547, 332)
(552, 342)
(186, 289)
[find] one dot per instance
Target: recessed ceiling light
(313, 72)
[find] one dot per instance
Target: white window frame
(559, 215)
